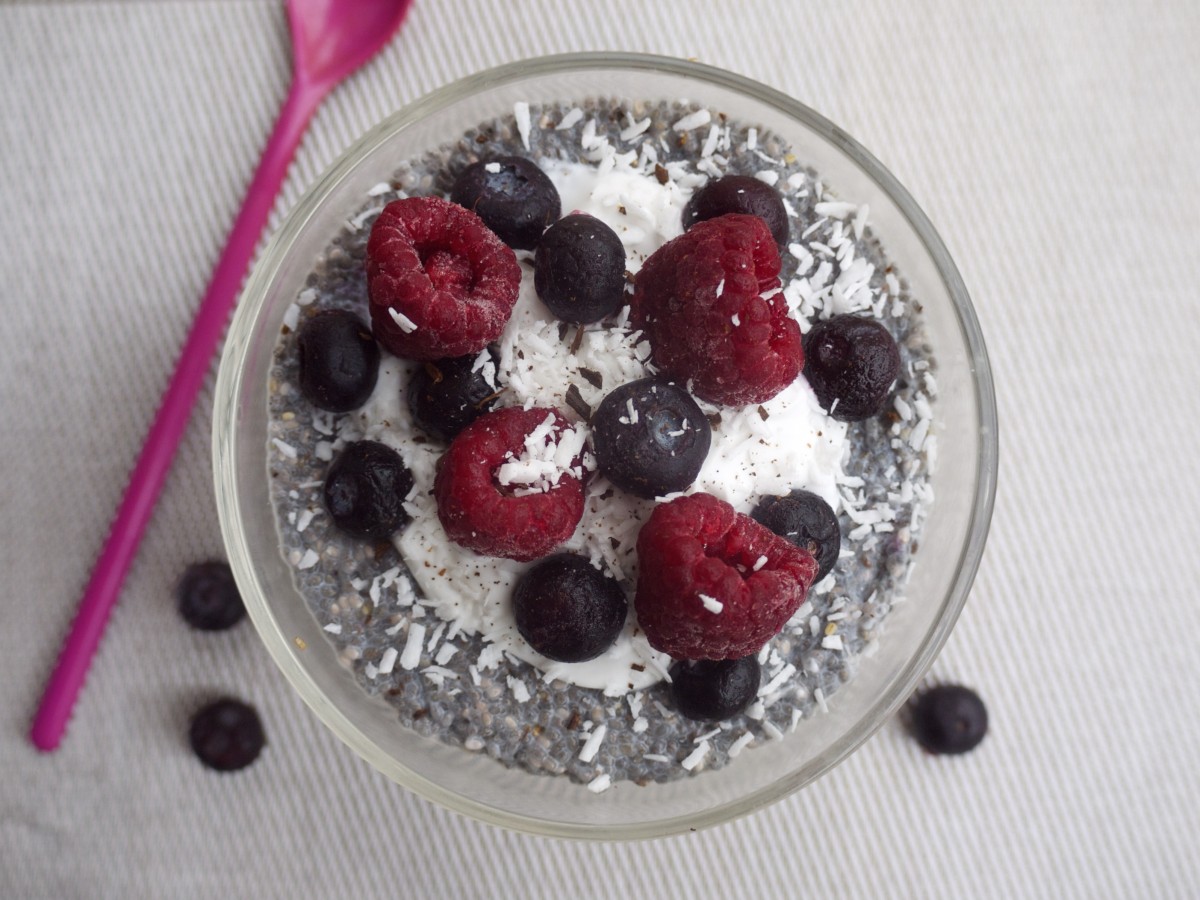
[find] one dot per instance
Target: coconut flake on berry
(511, 483)
(712, 308)
(440, 283)
(712, 582)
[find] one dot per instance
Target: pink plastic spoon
(330, 39)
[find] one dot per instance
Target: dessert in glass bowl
(713, 453)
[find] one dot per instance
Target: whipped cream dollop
(786, 443)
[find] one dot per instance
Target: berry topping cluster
(713, 585)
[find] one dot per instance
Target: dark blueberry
(853, 361)
(227, 735)
(208, 597)
(512, 195)
(365, 490)
(650, 437)
(567, 610)
(339, 360)
(739, 194)
(948, 718)
(447, 395)
(713, 689)
(808, 522)
(580, 269)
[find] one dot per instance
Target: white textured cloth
(1054, 144)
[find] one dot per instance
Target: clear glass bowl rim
(229, 387)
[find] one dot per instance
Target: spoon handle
(102, 590)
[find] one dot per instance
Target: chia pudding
(426, 626)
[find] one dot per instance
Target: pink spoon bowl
(330, 40)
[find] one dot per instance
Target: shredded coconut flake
(411, 657)
(712, 604)
(519, 690)
(573, 117)
(693, 120)
(600, 783)
(309, 559)
(387, 662)
(403, 322)
(696, 757)
(521, 114)
(592, 744)
(739, 745)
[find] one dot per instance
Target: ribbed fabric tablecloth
(1055, 147)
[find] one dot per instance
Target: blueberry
(808, 522)
(714, 689)
(739, 194)
(365, 490)
(567, 610)
(512, 195)
(580, 269)
(948, 718)
(650, 437)
(851, 361)
(447, 395)
(339, 360)
(227, 735)
(208, 597)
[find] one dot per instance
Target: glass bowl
(952, 540)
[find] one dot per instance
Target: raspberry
(440, 282)
(705, 302)
(482, 514)
(713, 583)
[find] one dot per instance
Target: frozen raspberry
(710, 304)
(440, 283)
(517, 521)
(713, 583)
